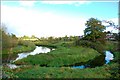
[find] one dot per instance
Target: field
(58, 64)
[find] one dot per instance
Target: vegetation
(11, 45)
(61, 57)
(68, 52)
(26, 46)
(36, 71)
(94, 37)
(94, 31)
(65, 72)
(8, 40)
(95, 45)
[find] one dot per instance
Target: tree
(5, 38)
(94, 31)
(65, 38)
(50, 39)
(8, 41)
(33, 37)
(14, 40)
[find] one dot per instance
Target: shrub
(95, 45)
(26, 43)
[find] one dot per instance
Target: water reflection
(38, 50)
(108, 57)
(81, 67)
(98, 61)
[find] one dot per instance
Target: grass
(20, 49)
(12, 54)
(61, 57)
(112, 46)
(64, 72)
(66, 54)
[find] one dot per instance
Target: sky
(55, 18)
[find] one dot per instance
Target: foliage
(67, 44)
(95, 45)
(94, 31)
(116, 36)
(109, 71)
(61, 56)
(8, 40)
(7, 73)
(27, 44)
(33, 37)
(66, 72)
(25, 37)
(112, 46)
(23, 46)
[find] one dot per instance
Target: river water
(38, 50)
(98, 61)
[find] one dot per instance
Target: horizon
(55, 18)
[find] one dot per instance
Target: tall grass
(61, 56)
(23, 46)
(66, 55)
(65, 72)
(95, 45)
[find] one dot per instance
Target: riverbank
(65, 55)
(36, 72)
(60, 57)
(11, 53)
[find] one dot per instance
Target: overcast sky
(55, 18)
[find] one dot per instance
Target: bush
(95, 45)
(67, 44)
(26, 43)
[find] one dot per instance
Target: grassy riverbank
(61, 57)
(65, 72)
(65, 54)
(11, 53)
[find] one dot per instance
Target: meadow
(52, 64)
(62, 56)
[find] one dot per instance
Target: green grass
(61, 56)
(65, 72)
(20, 49)
(66, 54)
(12, 54)
(112, 45)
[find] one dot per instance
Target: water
(108, 57)
(81, 67)
(38, 50)
(98, 61)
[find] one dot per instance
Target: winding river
(98, 61)
(38, 50)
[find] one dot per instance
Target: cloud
(27, 3)
(29, 22)
(115, 20)
(76, 3)
(111, 28)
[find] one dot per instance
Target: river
(38, 50)
(98, 61)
